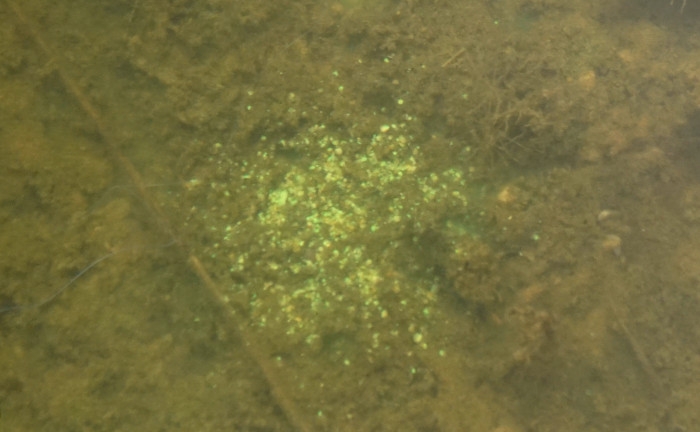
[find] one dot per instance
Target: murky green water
(349, 216)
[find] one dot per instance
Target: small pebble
(613, 243)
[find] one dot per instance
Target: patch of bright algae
(329, 223)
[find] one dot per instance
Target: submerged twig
(637, 349)
(292, 413)
(682, 4)
(454, 56)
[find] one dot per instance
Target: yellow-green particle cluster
(322, 249)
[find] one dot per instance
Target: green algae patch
(324, 234)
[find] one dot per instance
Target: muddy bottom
(351, 216)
